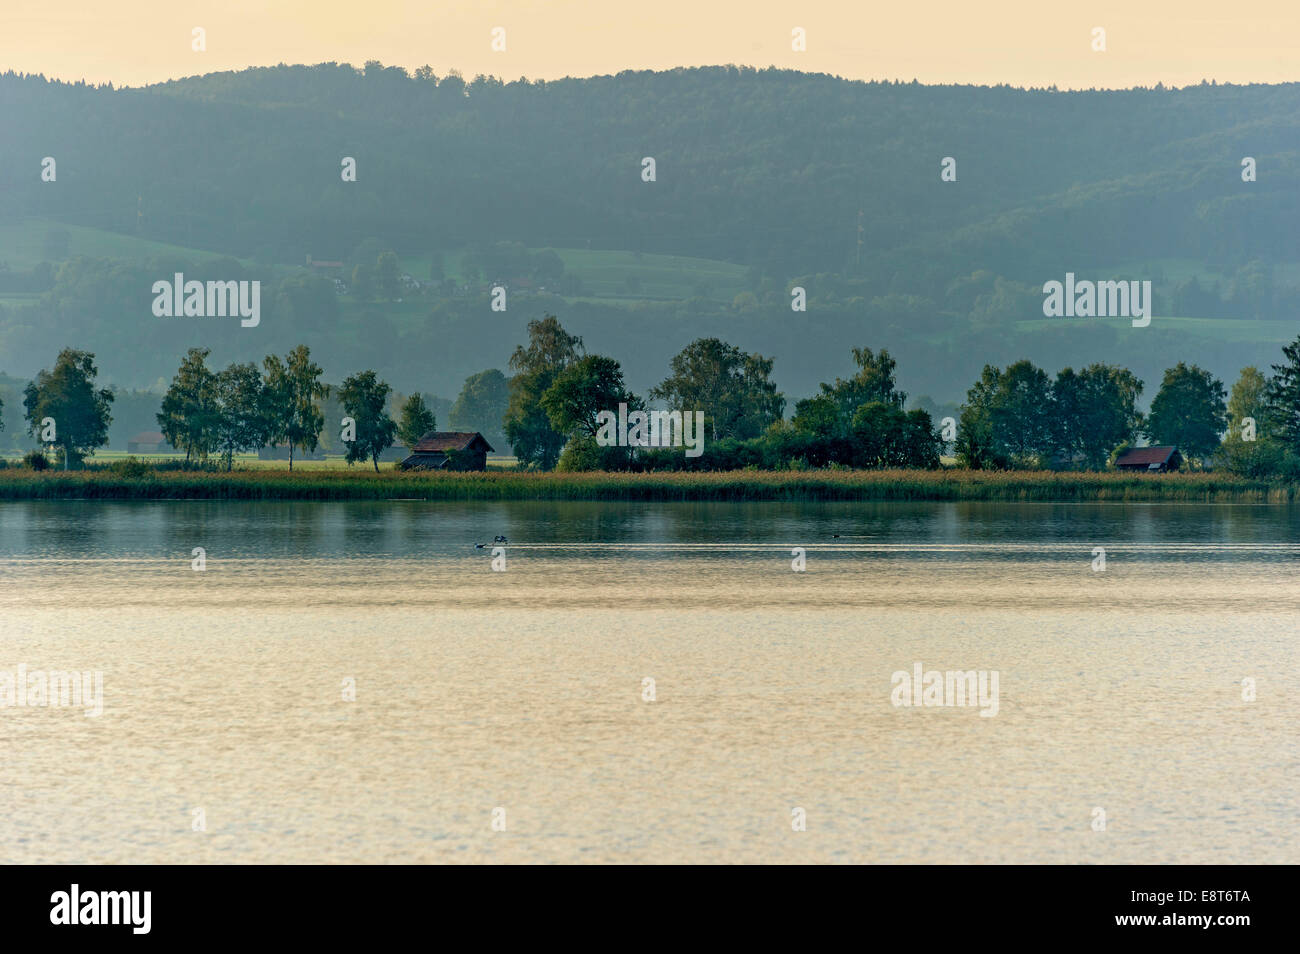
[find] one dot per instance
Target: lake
(354, 682)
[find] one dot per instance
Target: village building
(147, 442)
(449, 450)
(1159, 459)
(324, 266)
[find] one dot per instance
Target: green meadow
(606, 274)
(23, 245)
(1215, 329)
(624, 275)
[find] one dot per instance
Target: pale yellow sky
(1022, 42)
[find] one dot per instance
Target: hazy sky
(1023, 42)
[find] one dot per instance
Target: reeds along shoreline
(104, 484)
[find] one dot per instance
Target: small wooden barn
(1159, 459)
(147, 442)
(449, 450)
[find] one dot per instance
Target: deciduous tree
(365, 399)
(67, 394)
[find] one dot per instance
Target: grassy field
(1215, 329)
(253, 462)
(142, 483)
(606, 274)
(22, 244)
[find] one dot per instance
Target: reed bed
(948, 484)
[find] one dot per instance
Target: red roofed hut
(1160, 459)
(449, 450)
(147, 442)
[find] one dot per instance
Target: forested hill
(764, 179)
(762, 167)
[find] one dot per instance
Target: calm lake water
(1119, 690)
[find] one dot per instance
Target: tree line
(1013, 417)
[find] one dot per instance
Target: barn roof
(1146, 456)
(444, 441)
(147, 437)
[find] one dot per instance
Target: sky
(1020, 42)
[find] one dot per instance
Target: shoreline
(813, 485)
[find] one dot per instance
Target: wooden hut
(449, 450)
(1159, 459)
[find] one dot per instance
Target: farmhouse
(147, 442)
(449, 450)
(324, 265)
(1155, 459)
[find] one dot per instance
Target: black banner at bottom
(335, 904)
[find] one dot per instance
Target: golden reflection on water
(522, 690)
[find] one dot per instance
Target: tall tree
(590, 385)
(1008, 418)
(1249, 399)
(873, 381)
(528, 427)
(67, 395)
(1249, 447)
(1096, 411)
(760, 403)
(415, 421)
(292, 389)
(733, 389)
(482, 406)
(1284, 399)
(887, 436)
(819, 416)
(1022, 414)
(241, 423)
(976, 447)
(365, 399)
(190, 414)
(388, 276)
(1189, 410)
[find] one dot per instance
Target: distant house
(147, 442)
(449, 450)
(1160, 459)
(324, 265)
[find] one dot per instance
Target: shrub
(130, 467)
(582, 453)
(36, 460)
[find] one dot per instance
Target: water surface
(523, 690)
